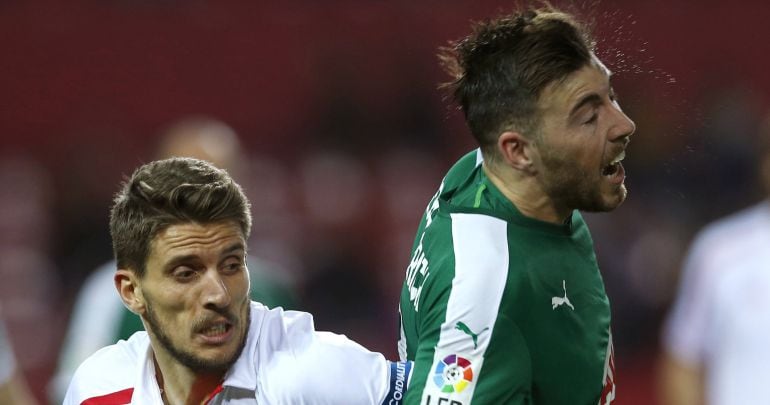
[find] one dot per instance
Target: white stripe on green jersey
(481, 268)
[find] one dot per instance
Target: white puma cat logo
(557, 301)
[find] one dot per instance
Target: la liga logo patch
(453, 374)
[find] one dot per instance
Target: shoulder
(294, 333)
(732, 246)
(466, 164)
(466, 229)
(460, 172)
(481, 222)
(301, 364)
(282, 329)
(458, 238)
(111, 370)
(748, 219)
(467, 254)
(735, 235)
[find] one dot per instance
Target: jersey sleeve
(109, 375)
(327, 368)
(466, 351)
(352, 374)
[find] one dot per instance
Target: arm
(680, 383)
(465, 349)
(367, 377)
(450, 371)
(303, 366)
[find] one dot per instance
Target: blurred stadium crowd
(342, 137)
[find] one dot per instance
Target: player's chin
(226, 354)
(614, 197)
(218, 360)
(605, 199)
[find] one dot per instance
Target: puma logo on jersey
(558, 301)
(465, 329)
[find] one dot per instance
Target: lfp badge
(453, 374)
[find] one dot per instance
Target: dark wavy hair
(501, 68)
(168, 192)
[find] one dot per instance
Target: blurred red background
(86, 87)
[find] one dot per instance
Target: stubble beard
(187, 358)
(571, 187)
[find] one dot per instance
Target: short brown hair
(501, 68)
(168, 192)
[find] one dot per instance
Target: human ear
(130, 291)
(516, 151)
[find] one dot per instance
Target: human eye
(183, 274)
(232, 265)
(592, 119)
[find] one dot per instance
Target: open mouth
(614, 167)
(216, 330)
(215, 333)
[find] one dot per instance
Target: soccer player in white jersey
(715, 338)
(179, 228)
(99, 318)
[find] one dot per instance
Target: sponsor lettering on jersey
(417, 272)
(432, 207)
(442, 401)
(399, 380)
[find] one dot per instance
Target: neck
(526, 193)
(179, 384)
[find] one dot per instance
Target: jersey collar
(243, 373)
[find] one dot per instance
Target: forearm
(680, 383)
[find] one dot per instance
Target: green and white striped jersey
(500, 308)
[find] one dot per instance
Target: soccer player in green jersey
(503, 302)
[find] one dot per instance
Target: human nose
(215, 291)
(623, 127)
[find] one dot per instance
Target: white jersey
(721, 319)
(99, 317)
(284, 361)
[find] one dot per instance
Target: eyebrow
(231, 252)
(235, 247)
(592, 98)
(176, 261)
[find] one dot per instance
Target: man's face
(583, 137)
(196, 292)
